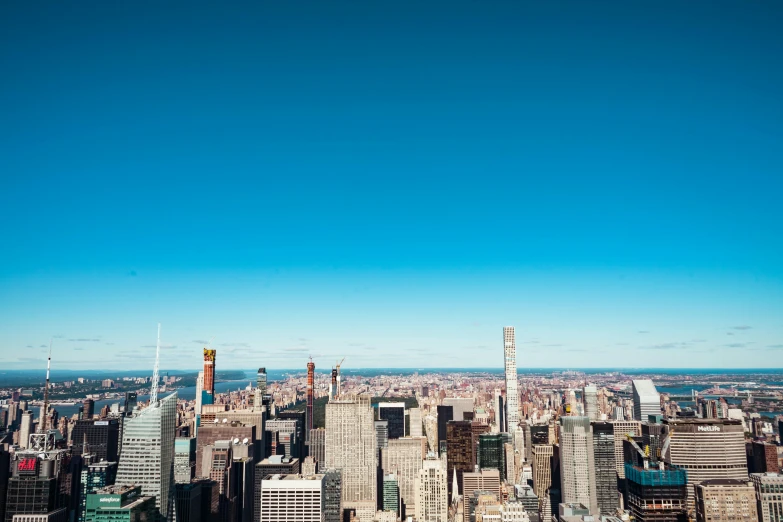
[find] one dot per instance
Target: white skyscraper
(512, 395)
(415, 422)
(147, 456)
(432, 503)
(577, 465)
(646, 399)
(351, 445)
(590, 396)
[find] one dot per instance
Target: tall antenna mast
(155, 376)
(46, 390)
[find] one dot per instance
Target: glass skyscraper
(147, 456)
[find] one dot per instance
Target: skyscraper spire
(155, 376)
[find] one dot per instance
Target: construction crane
(338, 376)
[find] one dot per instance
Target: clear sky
(392, 182)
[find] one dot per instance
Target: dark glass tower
(102, 439)
(395, 416)
(492, 454)
(605, 468)
(459, 451)
(445, 414)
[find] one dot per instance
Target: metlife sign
(709, 428)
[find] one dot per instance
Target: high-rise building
(607, 495)
(492, 454)
(351, 445)
(188, 501)
(726, 500)
(147, 455)
(211, 432)
(316, 447)
(657, 493)
(89, 408)
(577, 462)
(485, 481)
(310, 398)
(763, 457)
(245, 417)
(432, 493)
(622, 429)
(394, 414)
(120, 504)
(542, 455)
(277, 465)
(94, 476)
(414, 419)
(184, 459)
(769, 496)
(300, 418)
(390, 499)
(510, 364)
(5, 471)
(404, 458)
(707, 449)
(33, 485)
(459, 450)
(208, 392)
(288, 498)
(101, 436)
(462, 407)
(590, 395)
(26, 428)
(445, 414)
(646, 399)
(283, 436)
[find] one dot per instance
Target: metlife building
(120, 504)
(707, 449)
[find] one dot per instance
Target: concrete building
(317, 447)
(211, 432)
(646, 399)
(351, 446)
(621, 431)
(590, 395)
(432, 493)
(726, 500)
(485, 481)
(414, 420)
(707, 449)
(542, 477)
(769, 496)
(404, 457)
(278, 465)
(297, 498)
(460, 407)
(147, 455)
(577, 462)
(510, 367)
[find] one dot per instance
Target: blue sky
(392, 182)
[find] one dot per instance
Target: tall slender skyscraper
(512, 395)
(310, 385)
(147, 455)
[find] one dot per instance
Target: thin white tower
(512, 395)
(155, 376)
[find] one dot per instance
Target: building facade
(726, 500)
(769, 496)
(510, 367)
(432, 493)
(646, 399)
(577, 462)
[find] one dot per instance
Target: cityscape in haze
(391, 262)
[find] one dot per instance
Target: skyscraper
(415, 429)
(459, 450)
(621, 431)
(432, 493)
(768, 492)
(285, 498)
(147, 455)
(605, 468)
(646, 399)
(310, 384)
(707, 449)
(510, 364)
(445, 414)
(656, 493)
(394, 414)
(390, 500)
(492, 452)
(404, 458)
(577, 464)
(208, 392)
(94, 477)
(487, 480)
(101, 437)
(350, 446)
(590, 395)
(726, 500)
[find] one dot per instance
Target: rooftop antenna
(155, 376)
(46, 390)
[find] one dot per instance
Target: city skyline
(611, 188)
